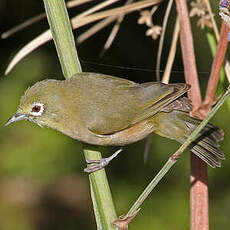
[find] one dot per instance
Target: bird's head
(39, 104)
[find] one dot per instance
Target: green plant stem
(103, 204)
(150, 187)
(173, 159)
(63, 37)
(64, 41)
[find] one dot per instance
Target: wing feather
(110, 104)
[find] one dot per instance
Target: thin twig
(164, 25)
(94, 9)
(114, 31)
(227, 70)
(23, 25)
(74, 3)
(76, 22)
(17, 28)
(95, 28)
(215, 28)
(166, 75)
(172, 53)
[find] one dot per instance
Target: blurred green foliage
(42, 184)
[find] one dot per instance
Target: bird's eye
(36, 108)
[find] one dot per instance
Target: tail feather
(178, 125)
(206, 156)
(206, 145)
(215, 132)
(211, 141)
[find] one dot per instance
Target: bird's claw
(99, 164)
(96, 165)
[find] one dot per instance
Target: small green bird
(105, 110)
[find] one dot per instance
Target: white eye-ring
(37, 109)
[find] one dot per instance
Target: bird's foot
(99, 164)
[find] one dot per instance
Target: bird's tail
(178, 125)
(206, 145)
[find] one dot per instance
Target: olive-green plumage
(104, 110)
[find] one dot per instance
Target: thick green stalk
(63, 37)
(103, 204)
(64, 41)
(172, 160)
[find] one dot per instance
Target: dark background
(42, 183)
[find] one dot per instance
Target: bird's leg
(99, 164)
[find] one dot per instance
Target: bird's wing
(112, 104)
(181, 104)
(157, 96)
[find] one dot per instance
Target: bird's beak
(16, 117)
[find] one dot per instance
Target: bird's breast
(127, 136)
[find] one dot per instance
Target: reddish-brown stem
(199, 195)
(199, 189)
(187, 48)
(216, 65)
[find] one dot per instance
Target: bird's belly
(123, 137)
